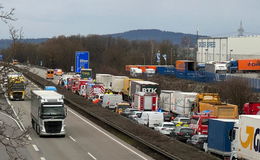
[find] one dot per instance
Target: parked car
(182, 133)
(181, 119)
(168, 117)
(165, 128)
(198, 140)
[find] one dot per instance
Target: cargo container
(127, 85)
(227, 111)
(252, 108)
(106, 79)
(118, 83)
(185, 65)
(218, 136)
(245, 136)
(212, 98)
(248, 65)
(144, 86)
(184, 102)
(136, 72)
(146, 101)
(128, 67)
(165, 70)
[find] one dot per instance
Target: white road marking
(13, 119)
(29, 138)
(20, 122)
(91, 124)
(35, 148)
(42, 158)
(72, 139)
(92, 156)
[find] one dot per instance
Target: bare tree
(6, 16)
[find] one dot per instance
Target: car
(165, 128)
(127, 112)
(182, 133)
(135, 115)
(168, 117)
(198, 140)
(181, 119)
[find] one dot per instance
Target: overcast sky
(48, 18)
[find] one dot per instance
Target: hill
(157, 35)
(5, 43)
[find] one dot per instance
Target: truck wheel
(37, 129)
(33, 124)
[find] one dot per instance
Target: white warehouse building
(226, 48)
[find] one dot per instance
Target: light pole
(230, 54)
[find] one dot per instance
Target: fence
(206, 77)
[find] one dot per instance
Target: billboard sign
(81, 60)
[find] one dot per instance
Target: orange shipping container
(249, 65)
(228, 111)
(185, 65)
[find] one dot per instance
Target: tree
(6, 16)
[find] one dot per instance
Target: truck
(185, 65)
(200, 122)
(219, 141)
(232, 66)
(127, 88)
(167, 100)
(144, 86)
(184, 102)
(48, 112)
(86, 73)
(223, 110)
(212, 98)
(118, 83)
(94, 89)
(252, 108)
(136, 72)
(216, 67)
(245, 138)
(106, 79)
(16, 86)
(149, 72)
(111, 100)
(50, 74)
(144, 101)
(248, 65)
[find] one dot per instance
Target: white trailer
(48, 112)
(111, 100)
(246, 138)
(167, 100)
(216, 67)
(183, 102)
(118, 83)
(106, 79)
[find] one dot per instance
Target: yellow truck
(127, 87)
(212, 98)
(16, 87)
(226, 111)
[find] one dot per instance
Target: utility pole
(171, 56)
(151, 51)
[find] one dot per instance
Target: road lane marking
(91, 124)
(12, 119)
(72, 139)
(20, 122)
(92, 156)
(35, 148)
(29, 138)
(42, 158)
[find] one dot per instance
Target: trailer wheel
(33, 124)
(37, 129)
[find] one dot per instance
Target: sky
(49, 18)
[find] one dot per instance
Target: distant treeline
(107, 54)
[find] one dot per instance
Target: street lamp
(230, 53)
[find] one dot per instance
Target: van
(50, 74)
(151, 119)
(111, 100)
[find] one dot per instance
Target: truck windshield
(18, 86)
(53, 110)
(194, 120)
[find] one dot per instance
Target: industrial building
(228, 48)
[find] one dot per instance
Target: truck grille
(53, 126)
(17, 95)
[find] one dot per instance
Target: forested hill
(5, 43)
(157, 35)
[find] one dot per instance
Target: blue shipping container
(218, 136)
(165, 70)
(81, 60)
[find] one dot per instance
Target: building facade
(226, 48)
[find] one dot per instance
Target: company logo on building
(254, 63)
(207, 44)
(253, 138)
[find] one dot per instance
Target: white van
(150, 118)
(110, 100)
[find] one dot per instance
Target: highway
(84, 140)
